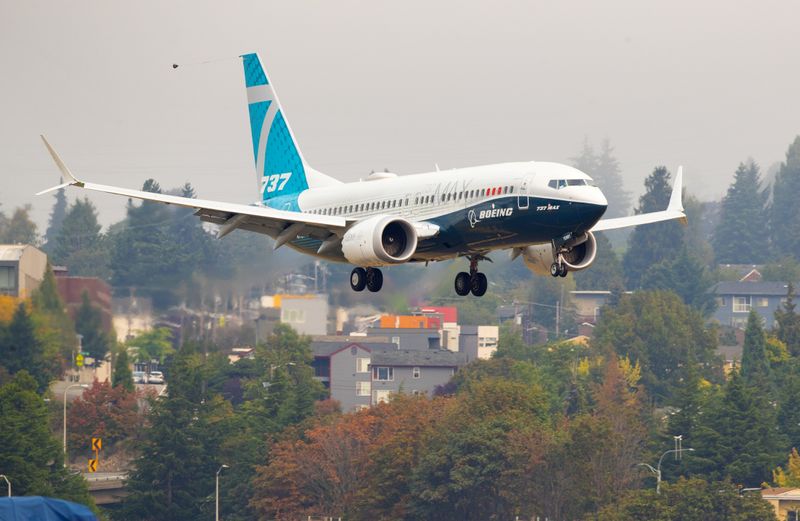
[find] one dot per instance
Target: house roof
(326, 349)
(751, 288)
(12, 252)
(785, 493)
(419, 358)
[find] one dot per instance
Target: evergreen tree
(53, 325)
(21, 349)
(740, 237)
(608, 177)
(20, 229)
(654, 243)
(788, 321)
(785, 210)
(29, 454)
(89, 324)
(687, 277)
(755, 366)
(123, 377)
(57, 216)
(79, 245)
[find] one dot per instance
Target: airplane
(545, 212)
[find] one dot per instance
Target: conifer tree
(785, 210)
(755, 366)
(21, 349)
(654, 243)
(122, 376)
(89, 324)
(79, 245)
(788, 330)
(686, 276)
(57, 216)
(740, 236)
(788, 411)
(20, 229)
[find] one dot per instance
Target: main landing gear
(474, 281)
(370, 278)
(558, 269)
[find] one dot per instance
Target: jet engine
(577, 253)
(379, 240)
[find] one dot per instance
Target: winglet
(676, 199)
(71, 179)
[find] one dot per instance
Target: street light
(216, 507)
(7, 483)
(65, 417)
(657, 471)
(272, 368)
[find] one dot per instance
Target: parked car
(139, 377)
(155, 377)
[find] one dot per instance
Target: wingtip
(60, 164)
(676, 198)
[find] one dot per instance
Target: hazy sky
(402, 85)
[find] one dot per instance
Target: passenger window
(511, 190)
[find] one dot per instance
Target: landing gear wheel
(374, 279)
(555, 269)
(463, 284)
(563, 271)
(478, 284)
(358, 279)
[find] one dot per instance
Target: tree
(122, 376)
(111, 413)
(607, 175)
(686, 276)
(790, 476)
(788, 322)
(785, 229)
(690, 500)
(29, 454)
(21, 349)
(89, 324)
(654, 243)
(657, 330)
(53, 325)
(755, 366)
(20, 229)
(78, 243)
(57, 216)
(739, 237)
(788, 412)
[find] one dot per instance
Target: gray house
(410, 337)
(736, 299)
(342, 365)
(412, 371)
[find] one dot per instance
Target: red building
(71, 291)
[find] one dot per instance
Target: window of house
(362, 365)
(381, 396)
(7, 277)
(396, 340)
(383, 374)
(363, 388)
(415, 372)
(721, 301)
(741, 304)
(360, 407)
(762, 302)
(415, 392)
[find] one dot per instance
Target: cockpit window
(576, 182)
(563, 183)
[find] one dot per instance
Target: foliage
(122, 376)
(57, 215)
(19, 229)
(649, 245)
(606, 271)
(78, 243)
(785, 218)
(89, 324)
(655, 329)
(788, 322)
(686, 276)
(29, 454)
(111, 413)
(790, 476)
(739, 237)
(155, 344)
(689, 500)
(53, 325)
(755, 366)
(21, 348)
(605, 171)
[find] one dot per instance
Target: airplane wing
(283, 226)
(674, 211)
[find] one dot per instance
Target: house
(420, 338)
(736, 299)
(588, 304)
(342, 365)
(785, 501)
(71, 290)
(478, 342)
(22, 269)
(306, 314)
(411, 371)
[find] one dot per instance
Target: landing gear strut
(370, 278)
(474, 281)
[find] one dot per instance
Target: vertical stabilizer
(281, 170)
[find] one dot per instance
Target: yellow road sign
(79, 360)
(97, 444)
(93, 465)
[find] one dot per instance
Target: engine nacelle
(576, 254)
(379, 240)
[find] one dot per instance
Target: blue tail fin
(282, 172)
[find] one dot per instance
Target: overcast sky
(401, 85)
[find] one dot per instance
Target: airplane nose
(597, 197)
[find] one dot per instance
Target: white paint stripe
(259, 93)
(262, 140)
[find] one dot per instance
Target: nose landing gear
(474, 281)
